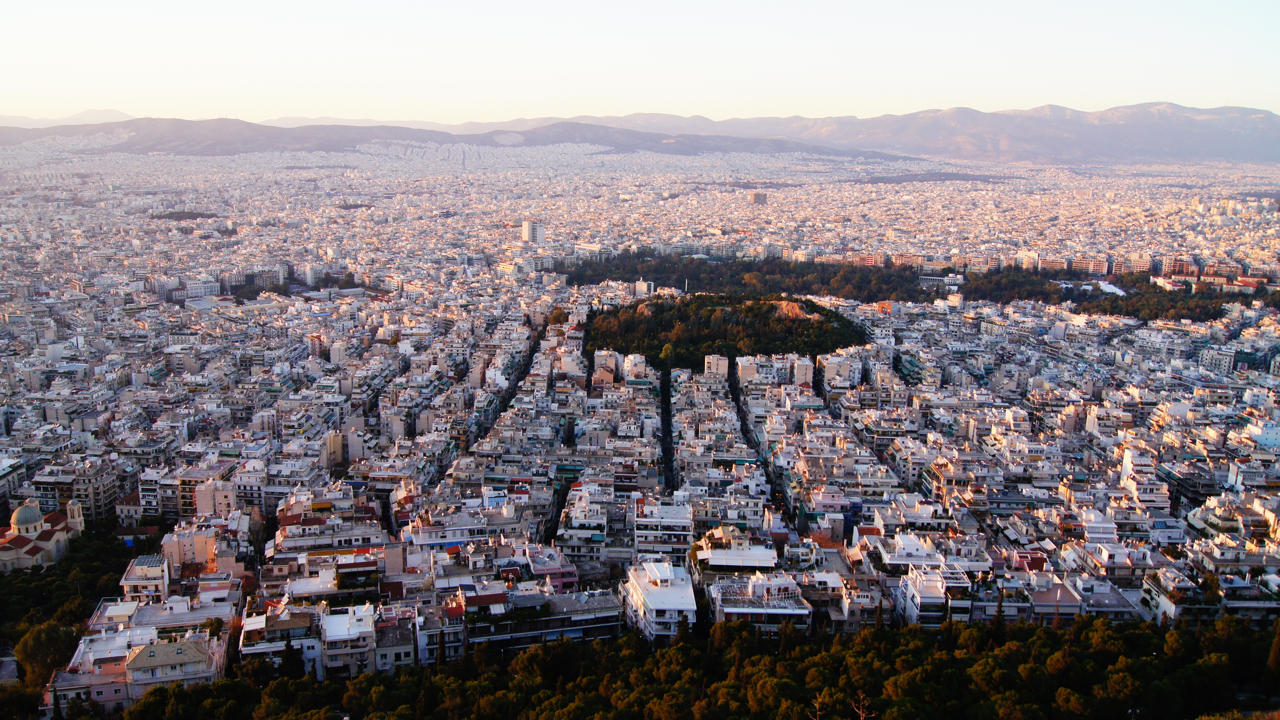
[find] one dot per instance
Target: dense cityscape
(343, 413)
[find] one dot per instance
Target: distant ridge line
(227, 136)
(1147, 132)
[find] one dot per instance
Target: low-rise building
(765, 601)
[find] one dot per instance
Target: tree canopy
(1090, 669)
(1150, 302)
(679, 332)
(42, 610)
(66, 592)
(770, 276)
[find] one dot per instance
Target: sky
(452, 62)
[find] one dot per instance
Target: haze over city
(581, 361)
(458, 62)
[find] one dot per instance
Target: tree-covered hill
(679, 332)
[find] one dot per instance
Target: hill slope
(687, 329)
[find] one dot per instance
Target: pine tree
(998, 624)
(1273, 658)
(682, 631)
(292, 663)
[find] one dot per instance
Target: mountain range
(1151, 132)
(80, 118)
(226, 136)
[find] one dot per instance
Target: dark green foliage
(756, 277)
(679, 332)
(246, 293)
(43, 649)
(873, 284)
(41, 611)
(67, 592)
(1150, 302)
(346, 281)
(250, 292)
(1273, 657)
(1013, 284)
(1090, 669)
(19, 700)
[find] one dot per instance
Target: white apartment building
(657, 595)
(663, 529)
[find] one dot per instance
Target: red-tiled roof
(486, 599)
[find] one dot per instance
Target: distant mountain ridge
(226, 136)
(80, 118)
(1160, 132)
(1150, 132)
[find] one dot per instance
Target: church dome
(26, 517)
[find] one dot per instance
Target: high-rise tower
(532, 232)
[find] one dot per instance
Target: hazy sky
(457, 61)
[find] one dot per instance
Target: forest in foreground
(1090, 668)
